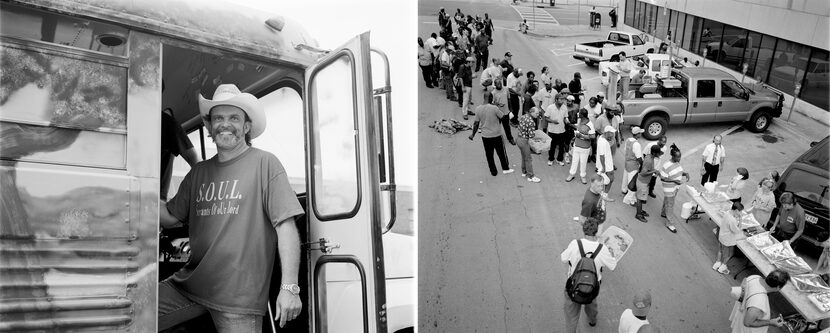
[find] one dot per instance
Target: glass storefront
(814, 88)
(779, 63)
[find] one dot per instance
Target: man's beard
(225, 140)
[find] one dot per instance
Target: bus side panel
(143, 160)
(78, 232)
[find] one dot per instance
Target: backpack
(583, 285)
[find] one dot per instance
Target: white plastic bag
(540, 142)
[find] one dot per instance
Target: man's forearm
(166, 219)
(288, 243)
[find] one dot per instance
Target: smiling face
(228, 126)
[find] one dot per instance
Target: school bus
(82, 91)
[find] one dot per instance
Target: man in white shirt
(634, 318)
(514, 88)
(490, 74)
(556, 114)
(605, 158)
(633, 157)
(714, 157)
(661, 142)
(571, 256)
(544, 97)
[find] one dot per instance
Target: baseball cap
(508, 54)
(636, 130)
(600, 94)
(642, 303)
(609, 128)
(471, 59)
(571, 98)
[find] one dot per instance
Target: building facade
(783, 43)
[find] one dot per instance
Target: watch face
(294, 289)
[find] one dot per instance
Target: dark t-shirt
(466, 75)
(231, 209)
(508, 68)
(174, 142)
(575, 86)
(591, 206)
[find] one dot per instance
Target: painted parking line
(722, 134)
(559, 54)
(578, 63)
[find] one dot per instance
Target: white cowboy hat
(229, 94)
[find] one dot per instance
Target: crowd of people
(586, 130)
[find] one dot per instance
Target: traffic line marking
(722, 134)
(578, 63)
(559, 54)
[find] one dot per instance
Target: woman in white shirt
(737, 185)
(763, 202)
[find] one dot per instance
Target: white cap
(600, 94)
(610, 128)
(636, 130)
(571, 98)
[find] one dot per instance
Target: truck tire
(650, 51)
(590, 63)
(654, 127)
(615, 58)
(759, 122)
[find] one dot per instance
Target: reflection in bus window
(47, 89)
(335, 154)
(63, 30)
(284, 136)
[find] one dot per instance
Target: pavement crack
(498, 259)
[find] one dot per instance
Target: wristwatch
(292, 288)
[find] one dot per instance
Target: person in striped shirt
(672, 175)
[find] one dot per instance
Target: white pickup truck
(618, 41)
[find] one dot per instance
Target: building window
(662, 22)
(814, 88)
(788, 65)
(764, 63)
(753, 46)
(710, 38)
(640, 15)
(678, 22)
(629, 12)
(692, 33)
(731, 51)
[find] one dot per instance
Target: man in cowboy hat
(240, 210)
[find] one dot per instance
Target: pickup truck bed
(602, 43)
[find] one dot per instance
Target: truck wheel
(650, 51)
(589, 63)
(759, 122)
(655, 126)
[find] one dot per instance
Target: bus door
(346, 270)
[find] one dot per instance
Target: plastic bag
(540, 142)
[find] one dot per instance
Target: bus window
(335, 175)
(63, 30)
(283, 135)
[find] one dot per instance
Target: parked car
(808, 178)
(593, 53)
(699, 95)
(818, 74)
